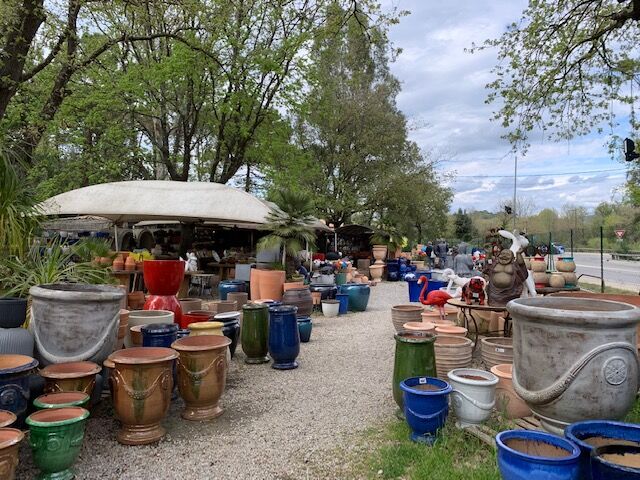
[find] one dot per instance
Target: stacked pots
(300, 298)
(414, 357)
(496, 350)
(376, 272)
(473, 396)
(401, 314)
(556, 280)
(507, 400)
(358, 295)
(13, 339)
(539, 269)
(379, 253)
(451, 353)
(452, 330)
(420, 327)
(15, 371)
(567, 267)
(163, 279)
(284, 337)
(123, 327)
(255, 333)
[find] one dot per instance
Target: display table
(467, 314)
(549, 290)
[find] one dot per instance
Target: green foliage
(463, 226)
(88, 249)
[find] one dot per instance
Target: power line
(542, 174)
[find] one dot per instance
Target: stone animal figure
(518, 244)
(474, 291)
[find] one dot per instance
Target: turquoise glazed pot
(304, 328)
(14, 384)
(358, 295)
(55, 436)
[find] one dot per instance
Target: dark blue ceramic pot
(231, 329)
(159, 334)
(343, 298)
(358, 295)
(327, 291)
(182, 333)
(614, 432)
(305, 326)
(519, 458)
(13, 312)
(284, 337)
(14, 384)
(426, 406)
(228, 286)
(604, 467)
(393, 271)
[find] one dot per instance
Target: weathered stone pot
(254, 334)
(141, 383)
(473, 396)
(138, 318)
(565, 264)
(541, 279)
(202, 374)
(14, 383)
(414, 357)
(574, 358)
(538, 265)
(73, 376)
(10, 439)
(55, 436)
(496, 350)
(61, 400)
(507, 400)
(74, 322)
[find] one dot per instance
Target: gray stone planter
(574, 359)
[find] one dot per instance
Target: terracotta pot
(541, 279)
(570, 279)
(401, 314)
(507, 400)
(206, 328)
(566, 264)
(7, 418)
(241, 299)
(135, 335)
(220, 306)
(118, 263)
(556, 280)
(271, 283)
(136, 300)
(379, 252)
(451, 330)
(129, 264)
(538, 265)
(376, 272)
(10, 439)
(190, 304)
(496, 350)
(292, 285)
(202, 373)
(452, 352)
(144, 317)
(141, 383)
(420, 327)
(72, 376)
(105, 261)
(123, 326)
(254, 283)
(61, 400)
(301, 298)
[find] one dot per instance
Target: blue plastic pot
(426, 406)
(15, 371)
(284, 337)
(603, 468)
(159, 334)
(414, 289)
(228, 286)
(358, 295)
(580, 431)
(305, 325)
(516, 464)
(343, 298)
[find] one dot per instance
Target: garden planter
(591, 434)
(587, 351)
(255, 333)
(570, 279)
(341, 278)
(163, 279)
(10, 439)
(241, 299)
(227, 286)
(426, 406)
(414, 356)
(16, 341)
(301, 298)
(254, 283)
(123, 326)
(271, 284)
(343, 298)
(541, 279)
(619, 462)
(473, 396)
(556, 280)
(565, 264)
(74, 322)
(141, 383)
(507, 400)
(331, 308)
(452, 330)
(231, 328)
(530, 455)
(414, 289)
(144, 317)
(202, 373)
(73, 376)
(61, 400)
(379, 253)
(496, 350)
(284, 338)
(206, 328)
(327, 292)
(130, 264)
(7, 418)
(135, 333)
(358, 295)
(292, 285)
(305, 325)
(538, 264)
(401, 314)
(451, 353)
(159, 334)
(14, 383)
(55, 436)
(135, 300)
(426, 327)
(376, 272)
(13, 312)
(189, 304)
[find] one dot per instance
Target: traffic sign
(620, 233)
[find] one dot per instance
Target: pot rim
(255, 306)
(596, 454)
(84, 369)
(166, 328)
(571, 434)
(9, 300)
(304, 319)
(331, 301)
(459, 342)
(17, 438)
(445, 389)
(283, 309)
(227, 316)
(491, 341)
(10, 418)
(407, 308)
(28, 363)
(205, 325)
(211, 342)
(150, 313)
(41, 401)
(556, 441)
(78, 413)
(413, 336)
(129, 356)
(454, 376)
(500, 373)
(85, 292)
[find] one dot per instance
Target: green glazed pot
(61, 400)
(341, 278)
(415, 357)
(55, 436)
(254, 334)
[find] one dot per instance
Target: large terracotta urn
(141, 384)
(202, 374)
(271, 284)
(379, 253)
(574, 358)
(162, 279)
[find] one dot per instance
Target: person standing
(441, 253)
(428, 250)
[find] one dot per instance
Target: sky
(443, 96)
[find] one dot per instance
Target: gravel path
(277, 424)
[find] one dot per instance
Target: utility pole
(515, 187)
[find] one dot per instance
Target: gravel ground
(277, 424)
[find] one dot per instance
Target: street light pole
(515, 187)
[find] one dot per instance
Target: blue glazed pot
(603, 468)
(393, 271)
(13, 312)
(305, 325)
(414, 289)
(284, 337)
(159, 334)
(231, 328)
(14, 384)
(182, 333)
(516, 464)
(426, 406)
(343, 298)
(358, 295)
(228, 286)
(579, 432)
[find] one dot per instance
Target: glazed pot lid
(142, 355)
(205, 325)
(201, 342)
(55, 400)
(16, 363)
(70, 370)
(159, 328)
(9, 437)
(55, 417)
(7, 418)
(226, 316)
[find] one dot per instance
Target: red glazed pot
(195, 317)
(163, 277)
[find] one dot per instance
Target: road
(617, 273)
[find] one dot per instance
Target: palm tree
(290, 223)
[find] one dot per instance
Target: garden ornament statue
(474, 291)
(507, 275)
(191, 264)
(518, 244)
(456, 282)
(436, 298)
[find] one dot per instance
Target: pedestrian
(429, 251)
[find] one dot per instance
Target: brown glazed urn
(10, 439)
(202, 374)
(141, 383)
(72, 376)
